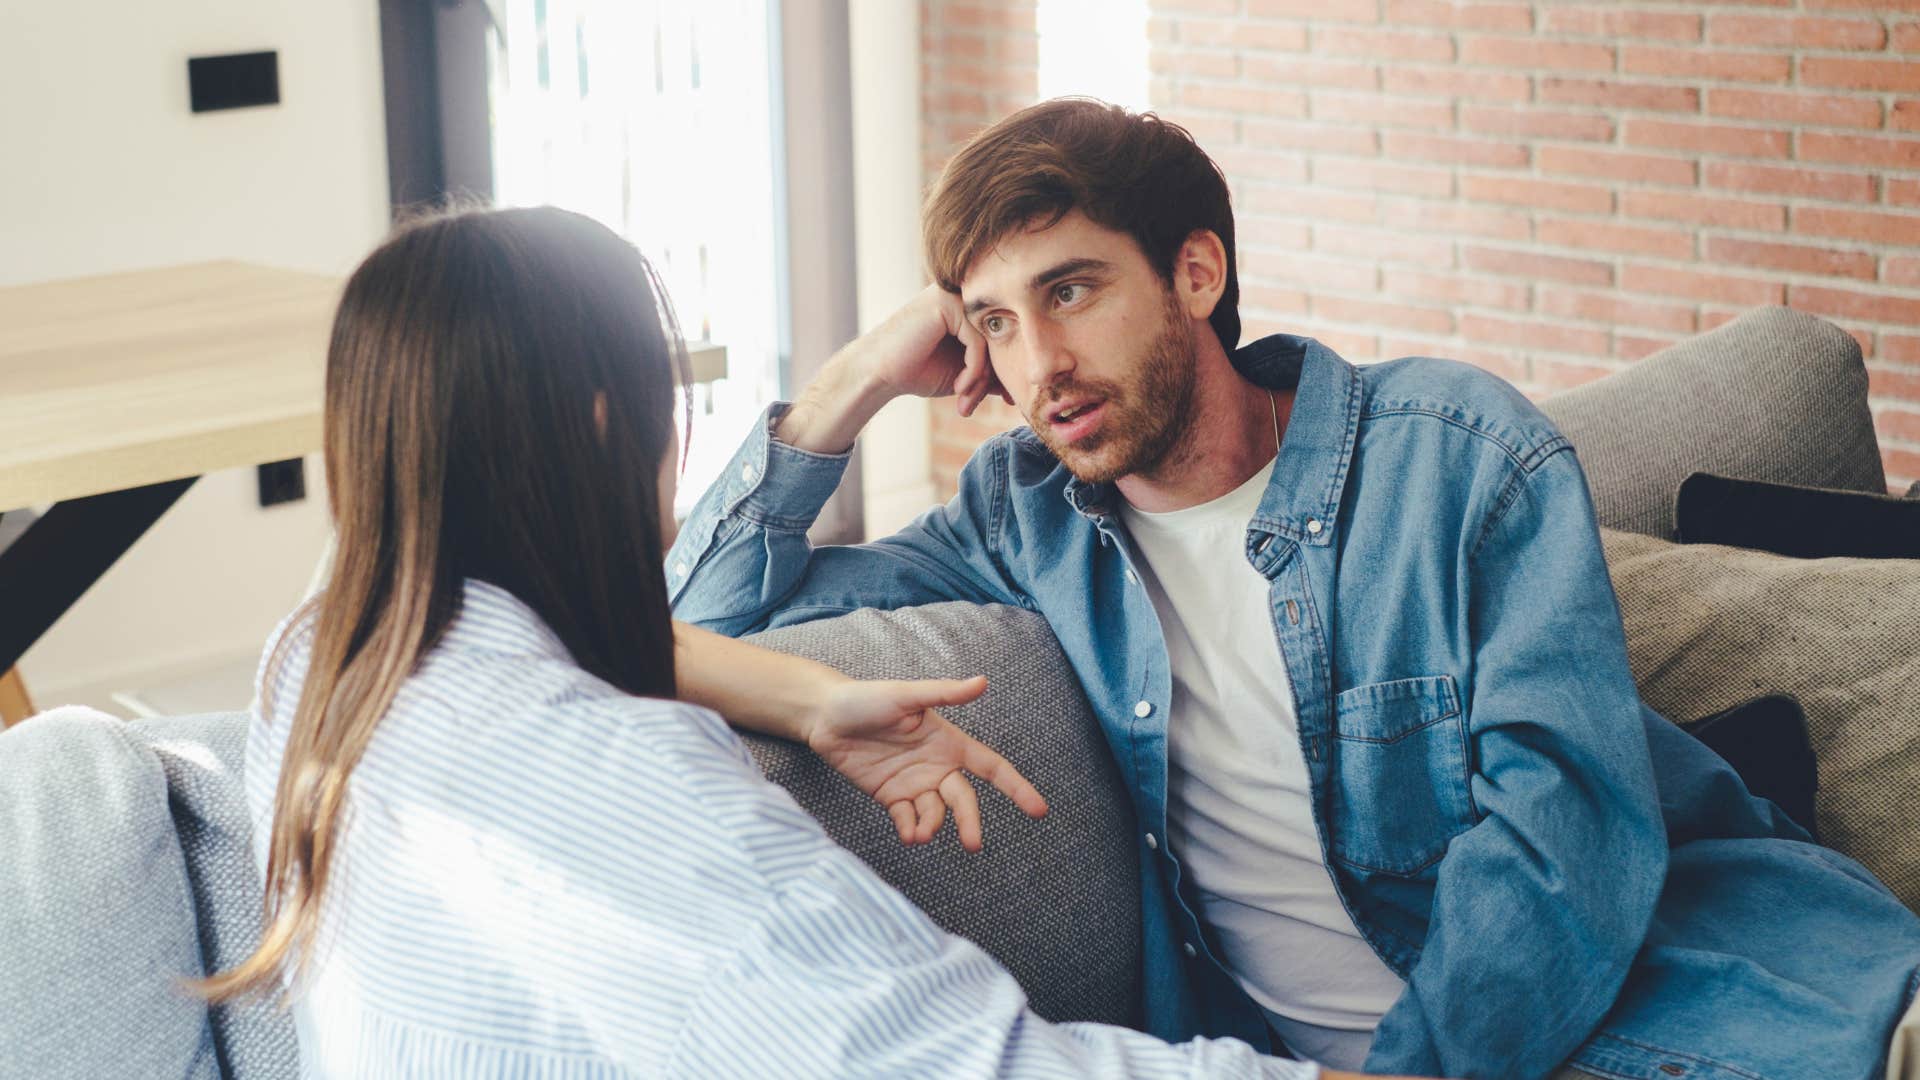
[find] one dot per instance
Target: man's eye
(1067, 294)
(992, 324)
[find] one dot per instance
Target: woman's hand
(888, 739)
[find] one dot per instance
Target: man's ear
(1200, 273)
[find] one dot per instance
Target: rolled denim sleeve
(1540, 907)
(743, 562)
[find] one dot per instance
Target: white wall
(896, 458)
(106, 170)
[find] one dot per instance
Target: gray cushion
(1709, 627)
(96, 917)
(1055, 900)
(202, 758)
(1775, 394)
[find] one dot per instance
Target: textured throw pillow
(1057, 901)
(1804, 522)
(1709, 627)
(96, 922)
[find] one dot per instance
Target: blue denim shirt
(1556, 871)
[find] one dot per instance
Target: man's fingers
(998, 771)
(931, 812)
(958, 791)
(902, 815)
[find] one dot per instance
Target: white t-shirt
(1238, 805)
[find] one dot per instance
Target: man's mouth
(1076, 419)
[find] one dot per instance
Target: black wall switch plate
(234, 81)
(283, 482)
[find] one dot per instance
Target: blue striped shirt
(539, 875)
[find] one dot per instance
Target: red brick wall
(1549, 190)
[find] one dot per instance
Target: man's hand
(887, 738)
(926, 348)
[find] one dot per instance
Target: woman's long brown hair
(469, 358)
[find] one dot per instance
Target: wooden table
(118, 392)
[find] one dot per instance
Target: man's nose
(1048, 355)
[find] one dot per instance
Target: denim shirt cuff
(776, 485)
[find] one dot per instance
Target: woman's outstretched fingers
(958, 791)
(931, 813)
(998, 771)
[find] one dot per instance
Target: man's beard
(1148, 411)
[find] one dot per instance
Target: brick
(1381, 314)
(1889, 382)
(1257, 162)
(1525, 334)
(1894, 153)
(1789, 107)
(1545, 194)
(1612, 21)
(1308, 270)
(1871, 307)
(1586, 235)
(1457, 289)
(1706, 138)
(1555, 375)
(1794, 258)
(1906, 37)
(1634, 348)
(1900, 424)
(1195, 63)
(1853, 73)
(1383, 45)
(1530, 52)
(1619, 95)
(1536, 123)
(1277, 233)
(1901, 270)
(1487, 153)
(1711, 210)
(1351, 345)
(1207, 129)
(1787, 180)
(1356, 11)
(1320, 138)
(1314, 204)
(1872, 226)
(1790, 32)
(1666, 281)
(1293, 71)
(1377, 110)
(1457, 83)
(1273, 298)
(1242, 34)
(1903, 192)
(1456, 219)
(1244, 99)
(1384, 245)
(1530, 264)
(1696, 63)
(1381, 176)
(1618, 165)
(989, 16)
(1610, 309)
(1209, 7)
(1905, 115)
(1902, 466)
(1460, 16)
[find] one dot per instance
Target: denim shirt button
(1314, 526)
(746, 471)
(1132, 578)
(1143, 709)
(1190, 950)
(1152, 844)
(680, 569)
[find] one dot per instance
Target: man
(1352, 640)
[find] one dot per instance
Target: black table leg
(51, 565)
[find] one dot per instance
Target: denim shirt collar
(1302, 502)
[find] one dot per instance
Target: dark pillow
(1765, 740)
(1802, 522)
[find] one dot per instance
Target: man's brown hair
(1131, 172)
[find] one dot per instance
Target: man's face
(1091, 343)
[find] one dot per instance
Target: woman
(493, 840)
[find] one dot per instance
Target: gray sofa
(124, 860)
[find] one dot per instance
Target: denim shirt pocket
(1399, 775)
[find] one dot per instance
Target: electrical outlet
(235, 81)
(283, 482)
